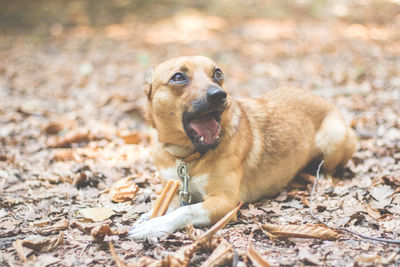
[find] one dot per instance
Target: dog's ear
(148, 82)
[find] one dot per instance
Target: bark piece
(164, 199)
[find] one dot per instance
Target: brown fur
(265, 141)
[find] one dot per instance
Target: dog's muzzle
(216, 96)
(202, 124)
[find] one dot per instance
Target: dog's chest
(197, 184)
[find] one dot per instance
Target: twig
(115, 256)
(341, 228)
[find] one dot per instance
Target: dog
(238, 149)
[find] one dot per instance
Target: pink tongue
(207, 127)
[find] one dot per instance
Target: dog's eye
(218, 75)
(178, 78)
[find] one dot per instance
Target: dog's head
(186, 100)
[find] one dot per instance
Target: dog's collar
(182, 169)
(192, 157)
(184, 154)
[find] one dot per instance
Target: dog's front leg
(200, 214)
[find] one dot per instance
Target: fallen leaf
(97, 214)
(59, 226)
(57, 126)
(66, 154)
(382, 194)
(193, 233)
(376, 259)
(391, 180)
(86, 177)
(100, 231)
(40, 244)
(123, 190)
(301, 231)
(74, 136)
(255, 257)
(132, 137)
(252, 211)
(220, 256)
(374, 213)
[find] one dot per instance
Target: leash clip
(184, 196)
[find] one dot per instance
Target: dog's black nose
(216, 95)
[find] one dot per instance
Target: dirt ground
(71, 122)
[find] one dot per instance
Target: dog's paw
(156, 227)
(144, 217)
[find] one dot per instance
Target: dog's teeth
(202, 138)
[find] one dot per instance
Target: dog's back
(290, 128)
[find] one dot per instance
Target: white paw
(144, 217)
(169, 223)
(156, 227)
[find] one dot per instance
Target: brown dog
(233, 150)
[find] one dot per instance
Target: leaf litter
(72, 125)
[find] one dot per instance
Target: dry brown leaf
(100, 231)
(374, 213)
(165, 198)
(255, 257)
(97, 214)
(132, 137)
(150, 262)
(221, 254)
(66, 154)
(97, 229)
(57, 126)
(84, 227)
(376, 259)
(123, 190)
(305, 201)
(38, 244)
(59, 226)
(301, 231)
(183, 255)
(40, 223)
(221, 223)
(193, 233)
(74, 136)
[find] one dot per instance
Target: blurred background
(260, 43)
(86, 59)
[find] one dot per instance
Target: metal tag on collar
(184, 196)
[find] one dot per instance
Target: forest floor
(71, 122)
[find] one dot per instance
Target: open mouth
(204, 130)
